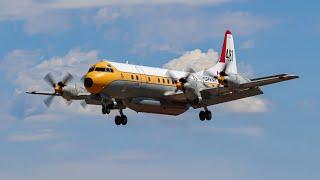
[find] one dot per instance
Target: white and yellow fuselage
(132, 83)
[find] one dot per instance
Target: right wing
(268, 80)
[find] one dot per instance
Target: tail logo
(229, 55)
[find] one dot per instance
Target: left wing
(253, 83)
(219, 95)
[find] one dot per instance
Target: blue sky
(273, 136)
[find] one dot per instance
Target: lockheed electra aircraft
(117, 86)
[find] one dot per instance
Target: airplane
(117, 86)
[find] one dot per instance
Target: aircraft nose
(88, 82)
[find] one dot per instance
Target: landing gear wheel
(208, 115)
(105, 110)
(202, 115)
(118, 120)
(124, 120)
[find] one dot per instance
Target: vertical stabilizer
(227, 63)
(228, 54)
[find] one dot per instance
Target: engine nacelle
(234, 80)
(155, 106)
(70, 93)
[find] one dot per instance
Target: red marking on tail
(224, 48)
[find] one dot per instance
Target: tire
(124, 120)
(117, 120)
(208, 115)
(202, 115)
(104, 110)
(107, 110)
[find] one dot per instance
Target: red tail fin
(224, 48)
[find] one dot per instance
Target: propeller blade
(67, 102)
(49, 79)
(82, 78)
(189, 69)
(67, 78)
(48, 101)
(84, 104)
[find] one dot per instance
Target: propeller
(183, 80)
(57, 86)
(84, 104)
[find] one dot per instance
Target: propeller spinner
(58, 87)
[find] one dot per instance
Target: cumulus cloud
(203, 60)
(26, 69)
(174, 26)
(196, 59)
(249, 44)
(21, 10)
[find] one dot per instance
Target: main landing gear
(121, 120)
(106, 109)
(205, 115)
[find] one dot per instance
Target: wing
(257, 82)
(47, 93)
(223, 94)
(268, 80)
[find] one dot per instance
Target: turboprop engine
(190, 86)
(233, 80)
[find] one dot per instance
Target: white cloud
(23, 9)
(249, 44)
(246, 105)
(203, 60)
(43, 135)
(196, 59)
(175, 27)
(26, 69)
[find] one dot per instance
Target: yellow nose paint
(102, 79)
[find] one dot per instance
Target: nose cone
(94, 82)
(88, 82)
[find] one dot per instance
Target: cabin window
(168, 81)
(132, 76)
(111, 70)
(158, 80)
(137, 77)
(163, 81)
(149, 79)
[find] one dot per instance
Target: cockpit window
(100, 69)
(91, 69)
